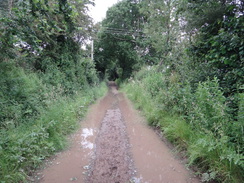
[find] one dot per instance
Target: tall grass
(23, 148)
(196, 120)
(22, 95)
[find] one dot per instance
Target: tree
(116, 48)
(217, 27)
(45, 36)
(38, 25)
(161, 26)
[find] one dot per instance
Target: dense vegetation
(183, 61)
(46, 80)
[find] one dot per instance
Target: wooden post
(92, 49)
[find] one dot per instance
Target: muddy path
(115, 145)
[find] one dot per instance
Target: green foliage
(216, 33)
(43, 24)
(154, 82)
(196, 120)
(23, 148)
(22, 95)
(160, 26)
(223, 52)
(45, 80)
(37, 113)
(209, 109)
(70, 72)
(37, 67)
(216, 159)
(237, 126)
(199, 47)
(115, 48)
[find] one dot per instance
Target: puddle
(85, 143)
(137, 180)
(120, 135)
(153, 160)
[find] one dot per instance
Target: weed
(22, 149)
(196, 120)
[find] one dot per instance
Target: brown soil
(115, 145)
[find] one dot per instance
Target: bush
(22, 95)
(197, 120)
(236, 131)
(23, 148)
(70, 75)
(209, 111)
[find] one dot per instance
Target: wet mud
(112, 162)
(115, 145)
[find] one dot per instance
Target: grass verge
(22, 149)
(215, 160)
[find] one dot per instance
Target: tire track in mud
(113, 162)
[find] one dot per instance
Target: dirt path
(115, 146)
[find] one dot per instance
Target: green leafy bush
(154, 82)
(23, 148)
(209, 111)
(196, 120)
(42, 71)
(22, 95)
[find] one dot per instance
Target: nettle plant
(210, 108)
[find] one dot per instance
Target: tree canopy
(116, 46)
(209, 33)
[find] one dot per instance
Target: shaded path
(114, 145)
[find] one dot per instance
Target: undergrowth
(197, 121)
(23, 148)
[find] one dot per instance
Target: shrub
(22, 95)
(209, 109)
(23, 148)
(197, 120)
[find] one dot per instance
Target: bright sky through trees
(98, 12)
